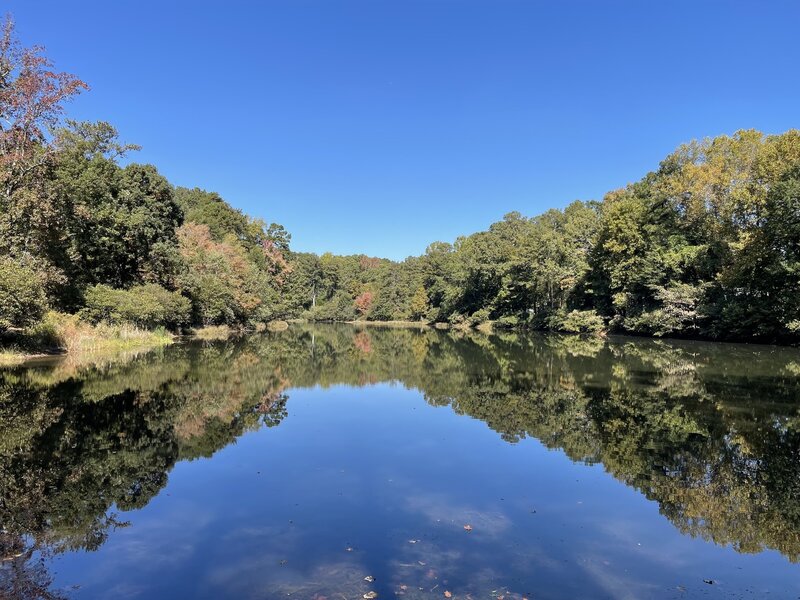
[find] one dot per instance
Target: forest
(707, 245)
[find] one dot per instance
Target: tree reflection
(710, 432)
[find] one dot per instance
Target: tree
(363, 302)
(119, 224)
(22, 298)
(419, 304)
(147, 305)
(32, 97)
(224, 286)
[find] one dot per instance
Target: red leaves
(31, 102)
(364, 302)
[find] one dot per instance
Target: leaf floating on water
(467, 527)
(448, 594)
(370, 595)
(369, 578)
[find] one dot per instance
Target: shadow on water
(711, 432)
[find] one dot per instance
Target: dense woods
(707, 245)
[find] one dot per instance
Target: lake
(335, 462)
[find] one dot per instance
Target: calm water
(297, 464)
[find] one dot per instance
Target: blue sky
(378, 127)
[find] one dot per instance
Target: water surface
(297, 464)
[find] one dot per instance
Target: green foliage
(577, 321)
(338, 308)
(705, 245)
(118, 225)
(22, 297)
(148, 306)
(419, 305)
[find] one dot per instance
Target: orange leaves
(221, 278)
(364, 302)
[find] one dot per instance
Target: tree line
(707, 245)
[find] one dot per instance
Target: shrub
(578, 321)
(507, 322)
(22, 297)
(456, 319)
(678, 312)
(147, 306)
(479, 317)
(338, 308)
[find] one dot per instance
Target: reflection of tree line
(72, 446)
(711, 432)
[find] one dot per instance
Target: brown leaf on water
(467, 527)
(448, 594)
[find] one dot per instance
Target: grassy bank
(60, 333)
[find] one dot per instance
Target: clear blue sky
(377, 127)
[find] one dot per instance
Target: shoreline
(98, 343)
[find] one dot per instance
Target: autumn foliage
(364, 302)
(32, 97)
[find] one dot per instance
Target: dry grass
(76, 336)
(213, 332)
(12, 358)
(277, 326)
(60, 333)
(486, 327)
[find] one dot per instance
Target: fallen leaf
(467, 527)
(447, 594)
